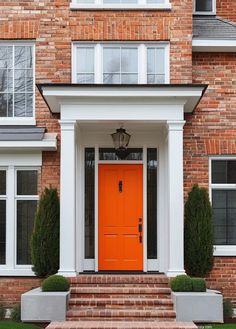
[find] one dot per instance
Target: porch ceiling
(56, 95)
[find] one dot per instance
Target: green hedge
(55, 283)
(184, 283)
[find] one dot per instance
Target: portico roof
(58, 94)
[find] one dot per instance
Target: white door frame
(92, 264)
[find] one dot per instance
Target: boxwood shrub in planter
(55, 283)
(181, 283)
(193, 303)
(198, 284)
(48, 303)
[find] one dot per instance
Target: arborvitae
(45, 237)
(198, 233)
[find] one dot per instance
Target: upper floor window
(124, 4)
(121, 63)
(223, 195)
(16, 80)
(205, 7)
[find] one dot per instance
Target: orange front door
(120, 216)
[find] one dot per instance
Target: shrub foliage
(181, 283)
(16, 313)
(45, 238)
(198, 233)
(228, 309)
(55, 283)
(198, 285)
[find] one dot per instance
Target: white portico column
(67, 199)
(175, 198)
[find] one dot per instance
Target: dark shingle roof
(213, 27)
(21, 133)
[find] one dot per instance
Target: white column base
(172, 274)
(67, 273)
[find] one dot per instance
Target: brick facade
(12, 288)
(209, 131)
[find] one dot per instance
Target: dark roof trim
(21, 133)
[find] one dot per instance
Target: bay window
(126, 63)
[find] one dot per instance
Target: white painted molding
(175, 125)
(4, 271)
(17, 121)
(118, 6)
(172, 274)
(20, 159)
(48, 143)
(67, 273)
(58, 96)
(213, 45)
(225, 250)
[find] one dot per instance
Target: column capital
(175, 125)
(67, 125)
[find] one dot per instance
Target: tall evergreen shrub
(45, 238)
(198, 233)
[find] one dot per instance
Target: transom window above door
(129, 63)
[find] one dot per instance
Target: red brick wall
(210, 131)
(12, 288)
(226, 9)
(223, 277)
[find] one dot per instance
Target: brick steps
(138, 290)
(121, 298)
(120, 303)
(119, 279)
(135, 314)
(121, 325)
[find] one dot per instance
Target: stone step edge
(120, 325)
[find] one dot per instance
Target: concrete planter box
(44, 306)
(198, 306)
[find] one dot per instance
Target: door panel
(120, 208)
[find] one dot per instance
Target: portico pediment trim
(56, 95)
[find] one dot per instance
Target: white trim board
(185, 96)
(213, 45)
(140, 4)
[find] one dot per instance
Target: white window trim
(21, 120)
(221, 250)
(213, 12)
(141, 4)
(142, 58)
(11, 163)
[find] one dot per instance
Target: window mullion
(98, 63)
(13, 81)
(142, 64)
(10, 219)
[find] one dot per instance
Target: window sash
(226, 188)
(11, 97)
(205, 12)
(142, 72)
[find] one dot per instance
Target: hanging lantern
(120, 139)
